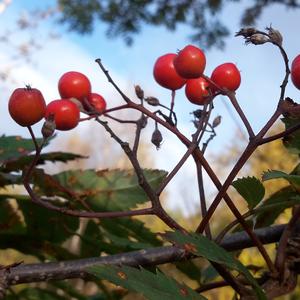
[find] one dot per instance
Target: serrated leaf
(292, 141)
(202, 246)
(190, 268)
(109, 189)
(271, 208)
(34, 246)
(251, 189)
(46, 224)
(23, 161)
(152, 286)
(12, 147)
(294, 180)
(131, 228)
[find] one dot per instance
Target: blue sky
(261, 68)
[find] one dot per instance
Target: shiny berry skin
(190, 62)
(227, 76)
(74, 85)
(197, 90)
(96, 102)
(165, 74)
(66, 113)
(26, 106)
(295, 72)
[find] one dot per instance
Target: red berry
(197, 90)
(227, 76)
(190, 62)
(66, 113)
(97, 102)
(26, 106)
(74, 85)
(165, 74)
(295, 72)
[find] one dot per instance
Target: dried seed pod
(156, 138)
(275, 35)
(48, 127)
(216, 122)
(257, 39)
(143, 121)
(139, 92)
(246, 32)
(152, 101)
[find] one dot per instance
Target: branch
(26, 273)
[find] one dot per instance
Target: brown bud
(216, 121)
(257, 39)
(139, 92)
(152, 101)
(48, 127)
(275, 35)
(156, 138)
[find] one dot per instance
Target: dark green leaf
(12, 147)
(274, 174)
(9, 179)
(38, 294)
(251, 189)
(153, 286)
(131, 228)
(23, 161)
(47, 225)
(36, 247)
(208, 274)
(292, 141)
(271, 208)
(190, 268)
(10, 219)
(109, 189)
(202, 246)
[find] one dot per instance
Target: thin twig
(125, 98)
(280, 135)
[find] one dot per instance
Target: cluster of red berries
(173, 71)
(27, 105)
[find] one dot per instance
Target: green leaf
(20, 162)
(109, 189)
(152, 286)
(37, 247)
(294, 180)
(292, 141)
(9, 179)
(12, 147)
(190, 268)
(251, 189)
(10, 220)
(132, 229)
(202, 246)
(208, 274)
(271, 208)
(38, 294)
(47, 225)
